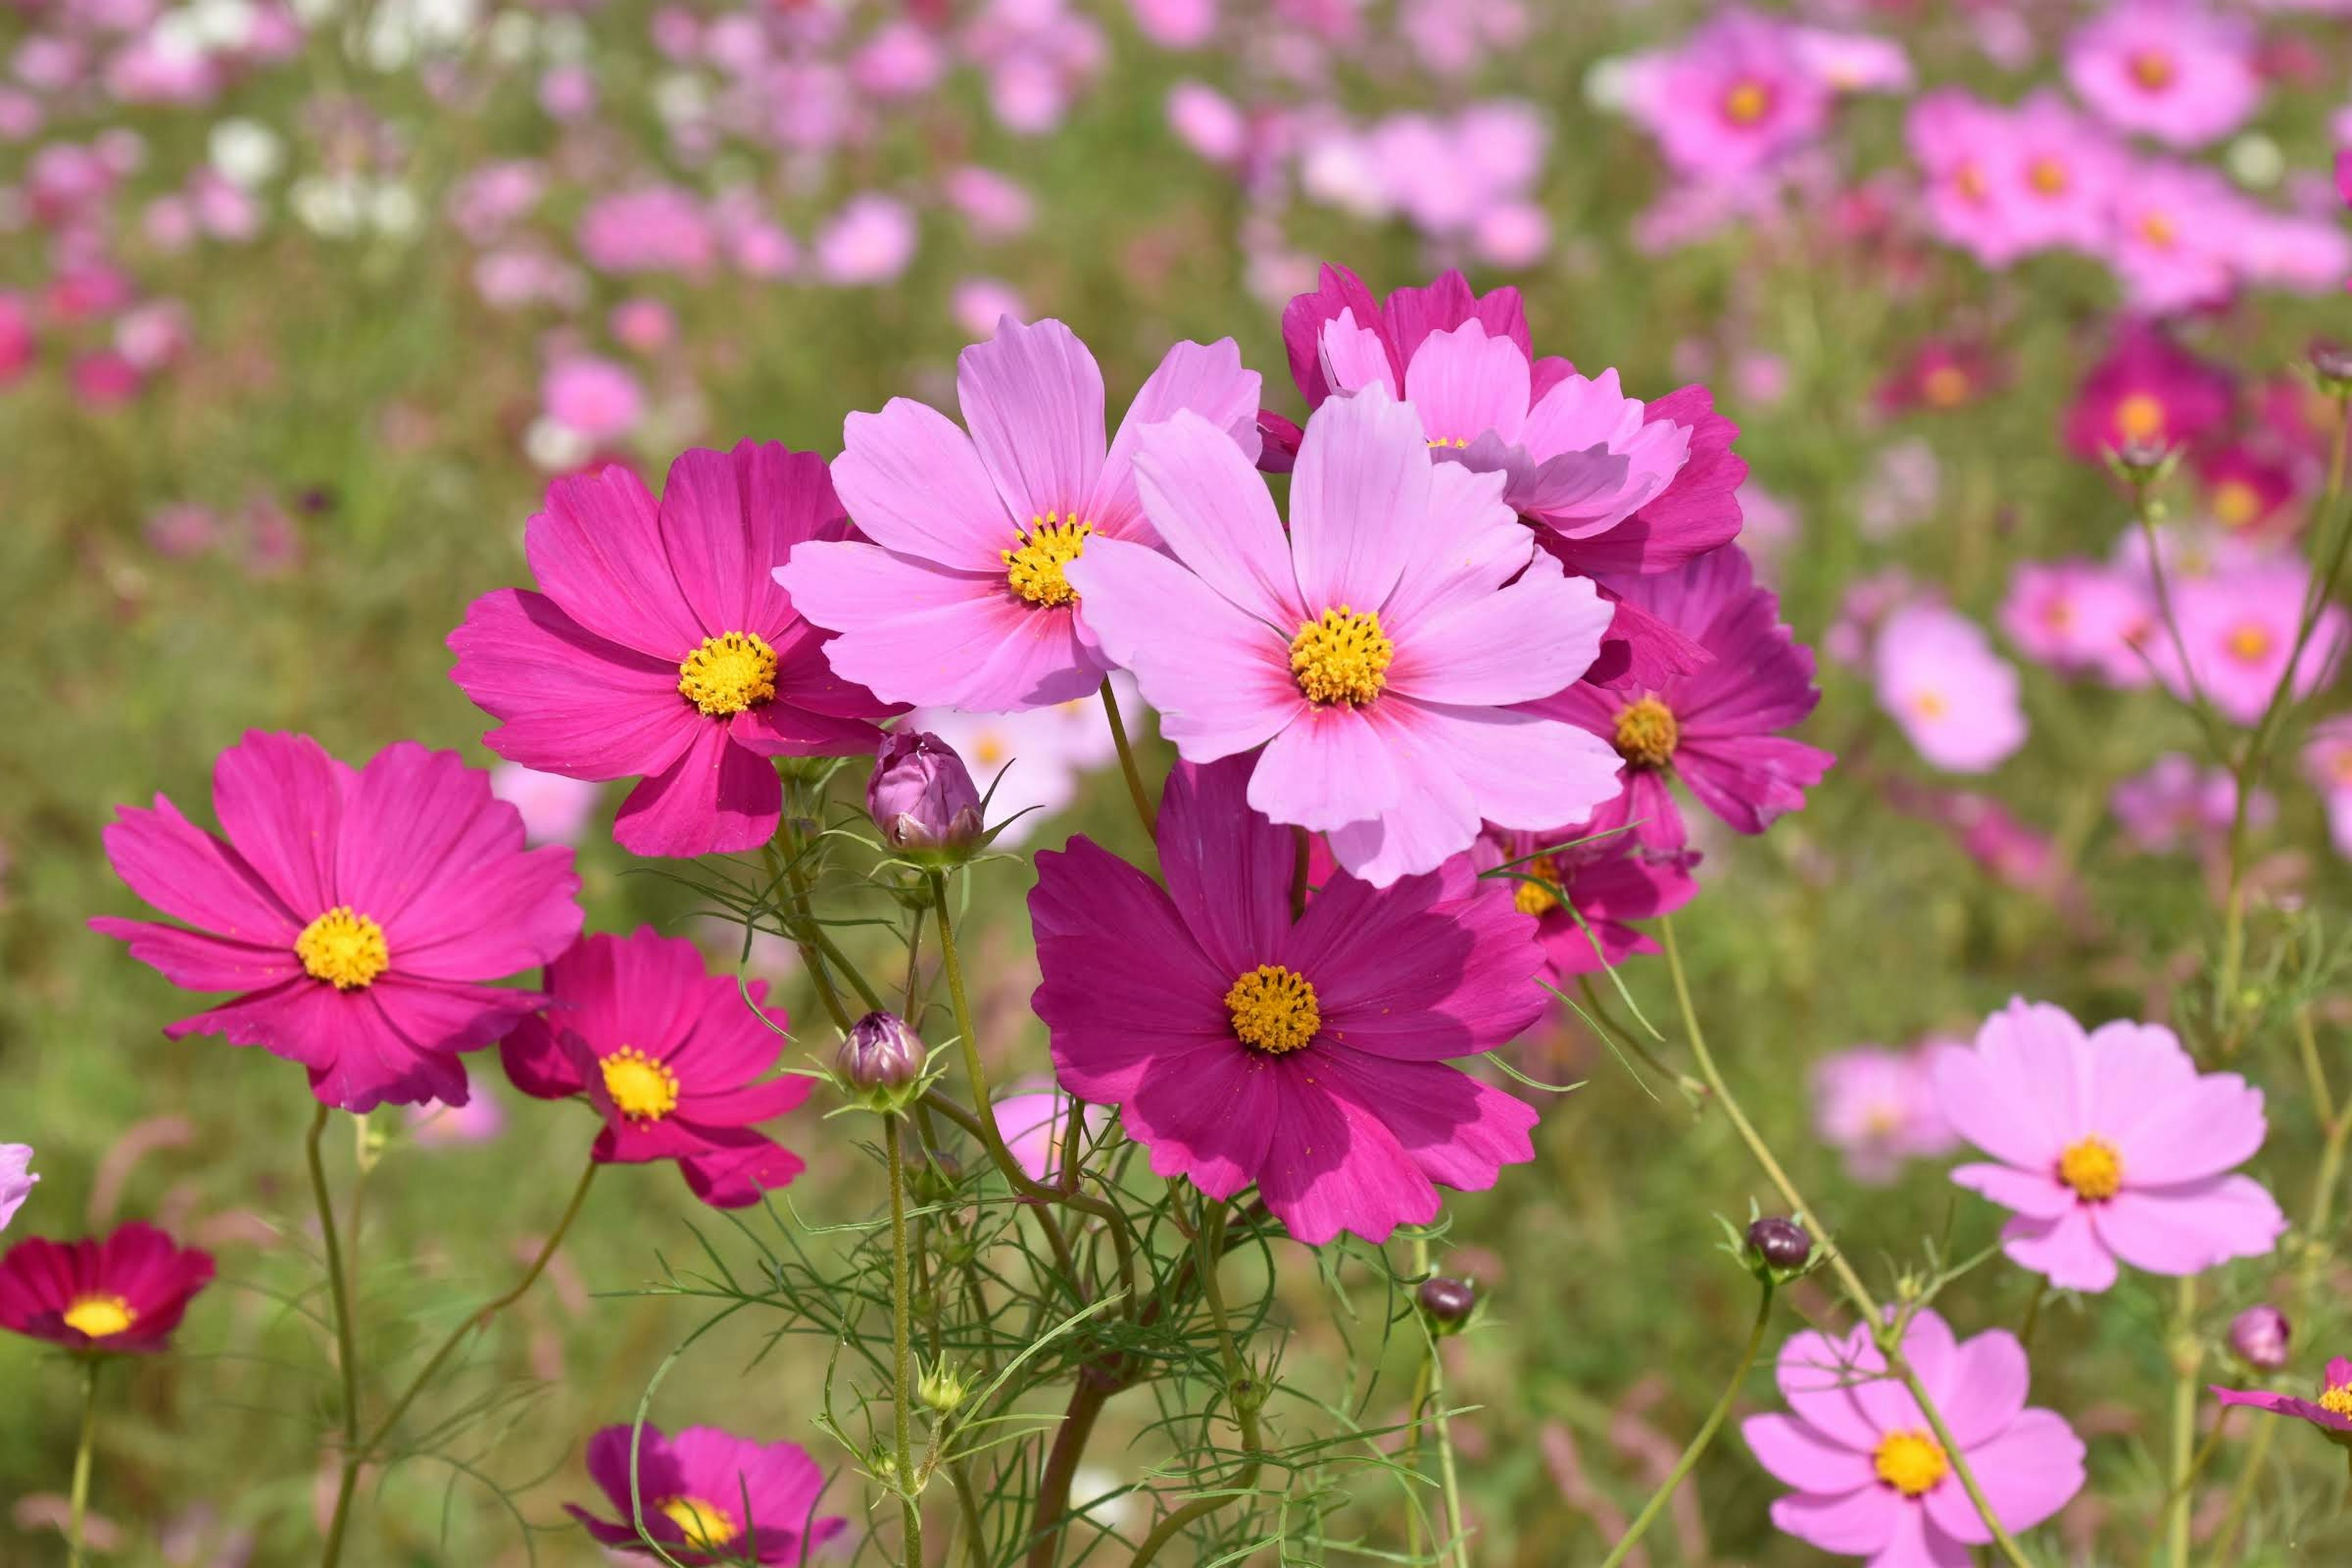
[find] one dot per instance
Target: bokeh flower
(1879, 1108)
(123, 1295)
(732, 1497)
(2238, 629)
(17, 1179)
(2167, 69)
(1955, 698)
(2147, 391)
(1605, 880)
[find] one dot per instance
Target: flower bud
(1446, 1302)
(1782, 1244)
(921, 796)
(880, 1054)
(2331, 366)
(941, 1390)
(2259, 1337)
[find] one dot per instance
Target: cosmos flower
(920, 795)
(1031, 762)
(2237, 630)
(2327, 764)
(671, 1058)
(1939, 678)
(555, 809)
(2176, 803)
(1377, 652)
(2246, 490)
(2077, 616)
(1878, 1108)
(2110, 1145)
(2178, 236)
(17, 1179)
(119, 1296)
(704, 1488)
(1871, 1477)
(1307, 1057)
(1607, 881)
(357, 911)
(2149, 391)
(963, 599)
(2331, 1412)
(659, 649)
(1715, 730)
(2167, 69)
(1740, 91)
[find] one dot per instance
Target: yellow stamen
(344, 948)
(1273, 1009)
(1033, 568)
(2047, 176)
(2093, 1169)
(1946, 386)
(2140, 417)
(728, 674)
(1647, 733)
(1969, 181)
(1747, 103)
(642, 1089)
(1910, 1462)
(1341, 656)
(705, 1524)
(2249, 642)
(1449, 441)
(2158, 230)
(2152, 70)
(1536, 897)
(100, 1316)
(2236, 503)
(2336, 1402)
(1929, 705)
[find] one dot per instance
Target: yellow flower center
(2152, 70)
(2093, 1169)
(1929, 705)
(1449, 441)
(2140, 417)
(1034, 567)
(704, 1523)
(100, 1316)
(2250, 641)
(2047, 175)
(728, 674)
(1273, 1009)
(1910, 1462)
(343, 948)
(2336, 1402)
(2236, 503)
(1535, 896)
(1747, 103)
(1647, 733)
(1946, 386)
(1969, 181)
(2158, 230)
(1341, 656)
(642, 1089)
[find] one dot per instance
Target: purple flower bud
(921, 796)
(881, 1052)
(1447, 1301)
(2259, 1335)
(1780, 1243)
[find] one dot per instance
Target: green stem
(1449, 1482)
(1690, 1456)
(975, 1533)
(2033, 1313)
(1135, 790)
(901, 1315)
(2243, 1493)
(346, 1356)
(2186, 1356)
(1210, 1241)
(79, 1508)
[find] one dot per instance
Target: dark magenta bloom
(121, 1296)
(708, 1488)
(2331, 1412)
(2149, 391)
(1609, 881)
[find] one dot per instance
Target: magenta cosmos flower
(1871, 1478)
(121, 1296)
(670, 1057)
(732, 1497)
(2148, 390)
(357, 911)
(2167, 69)
(963, 599)
(1713, 729)
(1376, 652)
(1309, 1058)
(659, 649)
(1606, 880)
(2331, 1412)
(2109, 1145)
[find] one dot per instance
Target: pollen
(2249, 642)
(2140, 417)
(1341, 656)
(1647, 733)
(2337, 1401)
(343, 948)
(100, 1316)
(1033, 568)
(705, 1524)
(2236, 503)
(2047, 176)
(2093, 1169)
(2152, 70)
(1449, 441)
(2158, 229)
(1946, 386)
(1910, 1462)
(642, 1089)
(728, 674)
(1273, 1009)
(1535, 896)
(1747, 101)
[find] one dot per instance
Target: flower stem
(1666, 1488)
(1210, 1240)
(1135, 790)
(901, 1315)
(1856, 1292)
(346, 1358)
(1434, 1372)
(79, 1508)
(2186, 1355)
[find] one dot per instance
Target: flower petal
(1212, 510)
(715, 799)
(1331, 1165)
(1358, 500)
(2190, 1228)
(192, 876)
(914, 485)
(1032, 398)
(1206, 380)
(597, 551)
(281, 802)
(570, 703)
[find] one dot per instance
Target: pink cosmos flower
(670, 1057)
(1714, 729)
(2247, 489)
(2148, 390)
(17, 1179)
(1378, 652)
(652, 228)
(1961, 145)
(1871, 1478)
(1878, 1108)
(593, 398)
(2110, 1145)
(436, 1126)
(659, 650)
(1957, 699)
(1735, 95)
(357, 911)
(2167, 69)
(2077, 616)
(2238, 629)
(2327, 764)
(1606, 881)
(2178, 235)
(729, 1495)
(1208, 122)
(123, 1295)
(555, 809)
(1308, 1056)
(2331, 1412)
(2176, 804)
(963, 599)
(869, 241)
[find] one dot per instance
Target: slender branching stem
(346, 1356)
(77, 1504)
(1432, 1382)
(2186, 1356)
(1135, 790)
(1699, 1445)
(1209, 1239)
(901, 1313)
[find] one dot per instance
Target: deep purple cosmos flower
(1714, 729)
(1308, 1057)
(1377, 652)
(963, 599)
(357, 911)
(659, 649)
(671, 1058)
(1607, 882)
(708, 1489)
(1871, 1477)
(121, 1296)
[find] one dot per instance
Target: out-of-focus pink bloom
(1512, 235)
(595, 399)
(1957, 699)
(2177, 805)
(510, 279)
(183, 530)
(486, 203)
(1940, 374)
(20, 115)
(18, 347)
(17, 1179)
(1853, 62)
(2238, 629)
(979, 303)
(104, 379)
(1207, 122)
(2327, 764)
(902, 60)
(870, 240)
(151, 335)
(995, 205)
(568, 92)
(2247, 491)
(754, 242)
(2177, 235)
(1878, 1108)
(644, 324)
(1869, 600)
(555, 809)
(85, 290)
(2078, 615)
(654, 228)
(2167, 69)
(1176, 24)
(437, 1126)
(1450, 36)
(2148, 390)
(2303, 254)
(1736, 94)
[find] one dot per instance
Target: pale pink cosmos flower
(1955, 698)
(979, 303)
(17, 1179)
(595, 399)
(1378, 652)
(555, 809)
(2327, 764)
(2109, 1146)
(1736, 94)
(2076, 615)
(1176, 24)
(2173, 235)
(962, 600)
(2238, 629)
(994, 205)
(870, 240)
(2171, 70)
(2176, 804)
(1207, 122)
(1878, 1108)
(1853, 62)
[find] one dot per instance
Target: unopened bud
(881, 1053)
(2331, 365)
(1448, 1302)
(941, 1390)
(1782, 1244)
(2259, 1336)
(921, 796)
